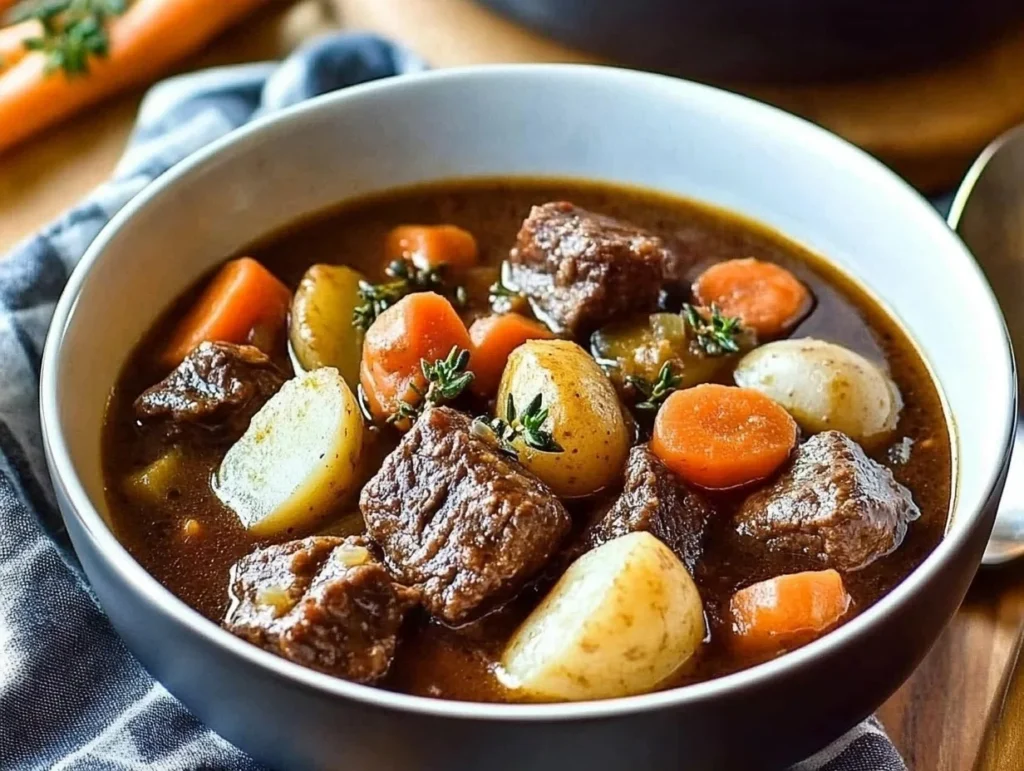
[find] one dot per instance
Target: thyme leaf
(405, 278)
(714, 333)
(527, 425)
(446, 379)
(657, 392)
(73, 31)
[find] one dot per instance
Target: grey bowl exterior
(770, 40)
(288, 165)
(769, 725)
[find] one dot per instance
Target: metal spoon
(988, 214)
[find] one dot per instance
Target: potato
(154, 483)
(320, 326)
(623, 618)
(639, 347)
(584, 415)
(298, 458)
(824, 386)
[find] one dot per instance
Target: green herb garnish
(406, 278)
(714, 334)
(657, 392)
(446, 379)
(528, 425)
(73, 31)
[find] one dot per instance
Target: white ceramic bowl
(556, 121)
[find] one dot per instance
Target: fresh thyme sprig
(657, 392)
(73, 31)
(528, 425)
(406, 278)
(446, 379)
(714, 334)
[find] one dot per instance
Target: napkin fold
(71, 695)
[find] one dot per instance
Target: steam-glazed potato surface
(583, 564)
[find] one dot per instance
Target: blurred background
(922, 84)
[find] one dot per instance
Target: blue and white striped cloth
(71, 695)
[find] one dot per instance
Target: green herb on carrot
(140, 44)
(420, 327)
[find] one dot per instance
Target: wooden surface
(938, 718)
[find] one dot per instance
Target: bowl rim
(128, 570)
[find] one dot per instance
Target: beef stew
(624, 413)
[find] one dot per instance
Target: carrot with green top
(494, 338)
(766, 297)
(421, 327)
(71, 72)
(430, 246)
(787, 610)
(243, 299)
(718, 436)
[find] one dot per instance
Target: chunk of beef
(218, 387)
(656, 500)
(833, 504)
(460, 520)
(581, 270)
(323, 602)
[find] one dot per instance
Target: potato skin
(584, 415)
(622, 619)
(824, 386)
(320, 327)
(300, 456)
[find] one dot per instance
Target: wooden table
(936, 719)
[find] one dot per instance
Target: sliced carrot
(494, 338)
(244, 298)
(419, 326)
(787, 610)
(429, 246)
(718, 436)
(768, 298)
(150, 37)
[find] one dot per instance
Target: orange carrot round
(494, 338)
(244, 297)
(719, 436)
(419, 326)
(787, 610)
(767, 298)
(429, 246)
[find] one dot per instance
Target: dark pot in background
(770, 40)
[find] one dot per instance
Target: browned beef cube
(323, 602)
(460, 520)
(581, 270)
(656, 500)
(833, 504)
(218, 387)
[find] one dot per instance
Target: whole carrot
(150, 37)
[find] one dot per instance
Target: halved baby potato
(622, 619)
(299, 456)
(320, 327)
(824, 387)
(584, 415)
